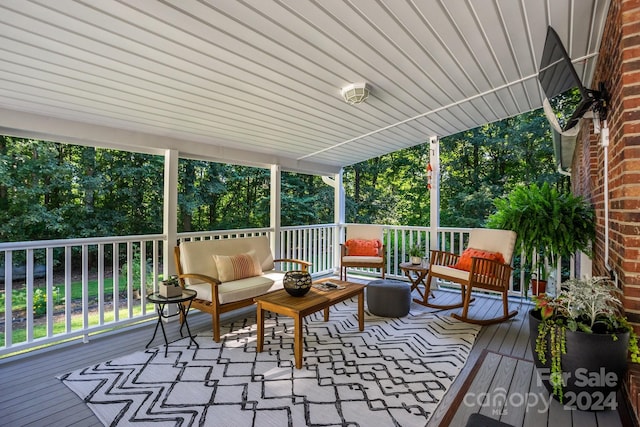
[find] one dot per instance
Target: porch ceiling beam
(29, 125)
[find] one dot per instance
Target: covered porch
(259, 85)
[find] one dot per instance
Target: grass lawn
(19, 304)
(40, 331)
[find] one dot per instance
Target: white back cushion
(491, 240)
(364, 231)
(196, 257)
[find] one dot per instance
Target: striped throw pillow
(237, 267)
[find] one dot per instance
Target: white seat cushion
(242, 289)
(451, 272)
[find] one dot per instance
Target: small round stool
(388, 298)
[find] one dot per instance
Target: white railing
(313, 243)
(73, 288)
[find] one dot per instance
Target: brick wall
(618, 66)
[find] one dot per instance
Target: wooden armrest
(211, 280)
(304, 264)
(490, 272)
(443, 258)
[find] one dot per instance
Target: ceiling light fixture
(356, 93)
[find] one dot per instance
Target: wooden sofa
(199, 269)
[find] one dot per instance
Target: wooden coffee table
(281, 302)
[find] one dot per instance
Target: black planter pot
(593, 367)
(297, 282)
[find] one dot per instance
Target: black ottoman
(388, 298)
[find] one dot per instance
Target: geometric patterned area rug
(393, 373)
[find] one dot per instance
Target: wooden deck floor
(30, 394)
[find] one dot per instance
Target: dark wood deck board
(30, 381)
(480, 384)
(514, 412)
(536, 415)
(499, 387)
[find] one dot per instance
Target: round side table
(184, 304)
(416, 273)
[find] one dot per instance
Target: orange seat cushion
(362, 247)
(464, 263)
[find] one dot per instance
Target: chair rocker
(485, 265)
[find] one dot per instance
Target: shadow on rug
(393, 373)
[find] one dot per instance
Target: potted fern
(581, 341)
(549, 224)
(416, 252)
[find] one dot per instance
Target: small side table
(184, 304)
(416, 274)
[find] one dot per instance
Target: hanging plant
(552, 223)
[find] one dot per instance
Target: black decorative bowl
(297, 282)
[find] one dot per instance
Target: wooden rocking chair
(485, 264)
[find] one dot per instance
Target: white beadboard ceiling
(258, 81)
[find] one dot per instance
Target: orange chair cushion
(362, 247)
(464, 263)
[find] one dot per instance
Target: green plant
(40, 300)
(416, 250)
(588, 305)
(137, 264)
(172, 281)
(548, 223)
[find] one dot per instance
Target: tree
(52, 190)
(477, 166)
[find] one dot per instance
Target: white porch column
(170, 218)
(170, 211)
(434, 161)
(275, 208)
(339, 209)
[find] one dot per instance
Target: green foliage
(213, 196)
(172, 281)
(487, 162)
(40, 300)
(557, 224)
(306, 200)
(416, 250)
(477, 166)
(136, 270)
(54, 190)
(390, 189)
